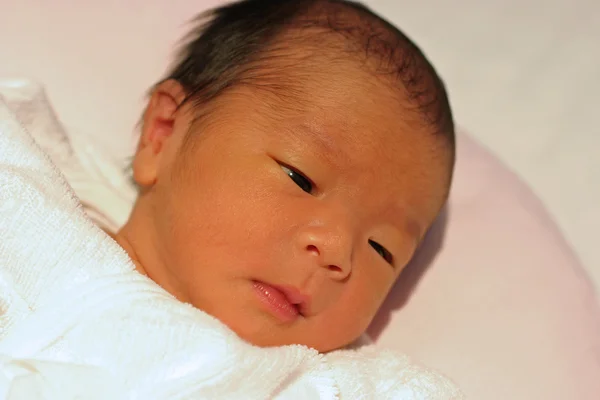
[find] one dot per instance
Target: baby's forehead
(322, 102)
(338, 122)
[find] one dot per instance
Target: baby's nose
(329, 249)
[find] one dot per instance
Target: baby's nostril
(312, 248)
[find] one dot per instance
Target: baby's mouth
(286, 303)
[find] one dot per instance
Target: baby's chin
(276, 336)
(320, 347)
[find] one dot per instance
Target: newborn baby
(288, 168)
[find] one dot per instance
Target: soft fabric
(78, 321)
(496, 298)
(105, 191)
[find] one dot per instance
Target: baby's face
(288, 222)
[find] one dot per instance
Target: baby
(288, 168)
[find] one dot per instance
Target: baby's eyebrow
(412, 227)
(326, 147)
(401, 216)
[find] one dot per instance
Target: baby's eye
(387, 256)
(299, 179)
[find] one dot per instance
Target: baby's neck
(122, 241)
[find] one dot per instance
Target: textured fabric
(101, 185)
(77, 320)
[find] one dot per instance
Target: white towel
(94, 175)
(77, 320)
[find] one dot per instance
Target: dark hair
(230, 43)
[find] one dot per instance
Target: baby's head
(289, 167)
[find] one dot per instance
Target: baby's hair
(233, 43)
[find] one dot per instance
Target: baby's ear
(157, 128)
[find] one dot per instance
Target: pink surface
(496, 300)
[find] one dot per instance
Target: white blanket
(77, 321)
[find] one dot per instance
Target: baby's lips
(296, 297)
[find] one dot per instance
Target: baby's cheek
(371, 299)
(339, 330)
(357, 308)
